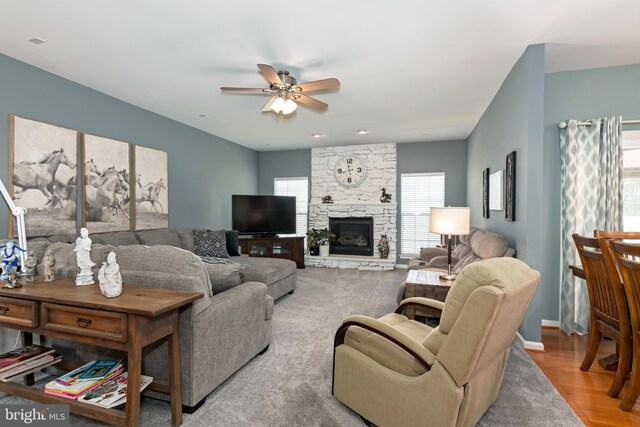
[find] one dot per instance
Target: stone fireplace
(352, 204)
(354, 236)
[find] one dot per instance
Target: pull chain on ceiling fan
(286, 93)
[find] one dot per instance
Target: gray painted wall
(449, 157)
(204, 170)
(580, 95)
(282, 164)
(514, 121)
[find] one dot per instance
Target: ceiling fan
(285, 91)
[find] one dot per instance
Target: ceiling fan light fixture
(289, 107)
(278, 105)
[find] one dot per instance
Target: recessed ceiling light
(362, 131)
(316, 135)
(202, 115)
(36, 40)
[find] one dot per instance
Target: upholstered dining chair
(627, 257)
(607, 305)
(394, 371)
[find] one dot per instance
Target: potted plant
(318, 241)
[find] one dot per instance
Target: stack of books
(84, 379)
(22, 361)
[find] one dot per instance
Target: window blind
(298, 188)
(419, 193)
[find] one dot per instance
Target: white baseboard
(402, 266)
(530, 345)
(551, 323)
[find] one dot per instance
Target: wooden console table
(291, 248)
(135, 319)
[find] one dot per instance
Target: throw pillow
(210, 243)
(232, 242)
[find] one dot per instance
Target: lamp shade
(450, 221)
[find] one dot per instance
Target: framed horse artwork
(106, 196)
(151, 188)
(42, 162)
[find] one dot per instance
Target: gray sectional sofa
(218, 333)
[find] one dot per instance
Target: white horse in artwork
(151, 193)
(39, 176)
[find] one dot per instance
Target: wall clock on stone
(350, 170)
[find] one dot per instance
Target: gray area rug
(290, 385)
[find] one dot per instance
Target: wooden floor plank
(585, 392)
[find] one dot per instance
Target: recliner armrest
(414, 348)
(420, 301)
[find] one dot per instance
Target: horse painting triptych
(119, 188)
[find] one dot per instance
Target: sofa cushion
(462, 263)
(164, 259)
(223, 276)
(118, 238)
(210, 243)
(161, 236)
(265, 270)
(232, 242)
(186, 238)
(487, 244)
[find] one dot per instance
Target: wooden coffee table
(427, 284)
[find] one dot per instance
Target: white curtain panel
(591, 198)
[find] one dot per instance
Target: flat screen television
(263, 215)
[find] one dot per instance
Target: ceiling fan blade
(267, 106)
(320, 85)
(270, 74)
(310, 102)
(244, 89)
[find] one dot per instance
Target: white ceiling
(410, 70)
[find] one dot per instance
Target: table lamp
(450, 221)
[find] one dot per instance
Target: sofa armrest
(415, 349)
(427, 254)
(442, 262)
(420, 301)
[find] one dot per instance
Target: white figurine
(83, 252)
(110, 278)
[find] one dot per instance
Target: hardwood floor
(586, 392)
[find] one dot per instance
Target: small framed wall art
(485, 193)
(495, 191)
(510, 187)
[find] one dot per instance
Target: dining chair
(608, 306)
(627, 258)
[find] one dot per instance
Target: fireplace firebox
(354, 236)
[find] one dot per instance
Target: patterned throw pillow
(210, 243)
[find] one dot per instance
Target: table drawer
(18, 312)
(81, 321)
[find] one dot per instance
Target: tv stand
(291, 248)
(264, 236)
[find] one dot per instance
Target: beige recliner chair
(398, 372)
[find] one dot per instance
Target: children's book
(99, 369)
(113, 392)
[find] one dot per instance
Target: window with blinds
(419, 192)
(298, 188)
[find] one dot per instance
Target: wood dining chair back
(627, 258)
(608, 306)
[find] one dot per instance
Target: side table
(427, 284)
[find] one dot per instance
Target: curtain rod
(563, 125)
